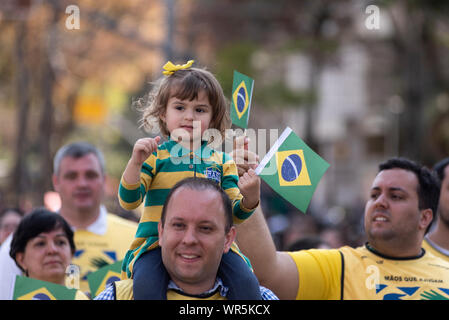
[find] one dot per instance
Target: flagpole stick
(244, 135)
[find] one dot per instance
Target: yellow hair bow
(170, 68)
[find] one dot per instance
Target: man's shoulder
(125, 284)
(317, 253)
(117, 290)
(432, 248)
(330, 254)
(357, 251)
(313, 260)
(432, 259)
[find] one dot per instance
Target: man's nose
(190, 236)
(381, 201)
(81, 181)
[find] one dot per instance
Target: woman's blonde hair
(185, 85)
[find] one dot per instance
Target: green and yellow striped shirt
(169, 164)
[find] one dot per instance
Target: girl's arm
(249, 182)
(130, 193)
(249, 185)
(143, 148)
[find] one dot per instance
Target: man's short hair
(202, 184)
(77, 150)
(428, 185)
(440, 167)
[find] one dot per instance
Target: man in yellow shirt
(438, 240)
(392, 265)
(100, 237)
(195, 230)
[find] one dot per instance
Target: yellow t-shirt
(94, 251)
(430, 248)
(362, 274)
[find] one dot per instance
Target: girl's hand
(249, 185)
(244, 158)
(143, 148)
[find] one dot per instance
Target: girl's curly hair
(184, 85)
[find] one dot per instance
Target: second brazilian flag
(99, 279)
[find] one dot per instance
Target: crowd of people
(79, 178)
(203, 233)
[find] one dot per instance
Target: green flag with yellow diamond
(242, 92)
(292, 169)
(99, 279)
(32, 289)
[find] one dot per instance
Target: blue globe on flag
(41, 296)
(112, 279)
(241, 99)
(291, 167)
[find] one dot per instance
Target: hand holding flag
(249, 185)
(244, 158)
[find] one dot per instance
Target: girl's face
(186, 119)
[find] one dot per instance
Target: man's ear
(229, 239)
(54, 179)
(426, 218)
(160, 230)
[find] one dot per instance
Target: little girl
(184, 103)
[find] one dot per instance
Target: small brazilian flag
(99, 279)
(292, 169)
(242, 92)
(32, 289)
